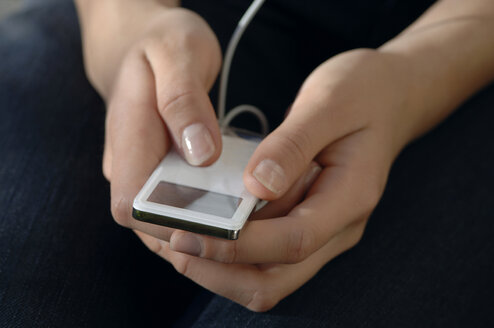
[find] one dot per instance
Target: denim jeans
(426, 258)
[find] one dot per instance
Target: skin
(154, 64)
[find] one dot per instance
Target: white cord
(230, 51)
(247, 109)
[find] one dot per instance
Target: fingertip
(185, 242)
(258, 189)
(218, 145)
(198, 145)
(312, 173)
(271, 175)
(277, 164)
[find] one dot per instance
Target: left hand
(350, 119)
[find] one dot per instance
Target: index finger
(139, 140)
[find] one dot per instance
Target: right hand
(158, 98)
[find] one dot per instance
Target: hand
(347, 119)
(352, 116)
(160, 98)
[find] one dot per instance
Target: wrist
(402, 117)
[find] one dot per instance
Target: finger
(138, 140)
(282, 206)
(184, 104)
(283, 155)
(340, 196)
(257, 287)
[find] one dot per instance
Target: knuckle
(300, 244)
(155, 247)
(152, 46)
(164, 43)
(369, 197)
(224, 252)
(120, 209)
(356, 234)
(181, 265)
(297, 143)
(229, 252)
(135, 53)
(356, 238)
(262, 300)
(173, 104)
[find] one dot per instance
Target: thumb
(283, 156)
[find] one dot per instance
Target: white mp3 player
(208, 200)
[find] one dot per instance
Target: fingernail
(270, 175)
(312, 174)
(186, 243)
(197, 144)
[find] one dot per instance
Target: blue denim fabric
(425, 259)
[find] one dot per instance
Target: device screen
(194, 199)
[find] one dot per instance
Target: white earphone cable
(224, 121)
